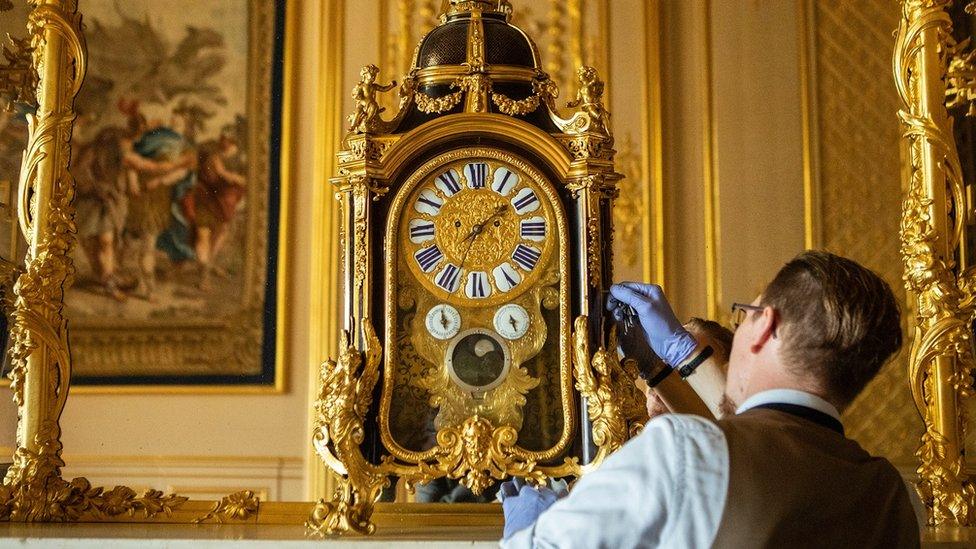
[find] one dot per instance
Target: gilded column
(41, 364)
(942, 355)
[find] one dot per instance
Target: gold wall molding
(273, 478)
(324, 303)
(710, 191)
(652, 218)
(812, 191)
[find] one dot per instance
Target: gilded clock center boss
(779, 472)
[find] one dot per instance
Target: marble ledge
(254, 536)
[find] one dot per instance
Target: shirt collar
(789, 396)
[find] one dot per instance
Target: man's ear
(764, 330)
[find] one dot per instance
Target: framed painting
(175, 155)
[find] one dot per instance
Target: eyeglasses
(740, 311)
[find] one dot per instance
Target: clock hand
(513, 322)
(478, 229)
(443, 319)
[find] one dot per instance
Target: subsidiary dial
(443, 321)
(512, 321)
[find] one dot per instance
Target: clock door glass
(477, 296)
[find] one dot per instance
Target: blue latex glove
(665, 334)
(523, 504)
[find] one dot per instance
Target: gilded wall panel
(861, 189)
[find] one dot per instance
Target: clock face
(443, 321)
(478, 232)
(512, 321)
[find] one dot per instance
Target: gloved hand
(665, 334)
(523, 504)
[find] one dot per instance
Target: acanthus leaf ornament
(615, 406)
(239, 506)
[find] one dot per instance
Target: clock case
(476, 82)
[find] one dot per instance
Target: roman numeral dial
(479, 231)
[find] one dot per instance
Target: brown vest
(795, 483)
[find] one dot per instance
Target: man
(779, 473)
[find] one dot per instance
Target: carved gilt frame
(934, 214)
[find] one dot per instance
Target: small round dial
(477, 360)
(443, 321)
(512, 321)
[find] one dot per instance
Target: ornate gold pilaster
(934, 214)
(33, 489)
(41, 365)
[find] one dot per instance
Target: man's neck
(791, 397)
(775, 378)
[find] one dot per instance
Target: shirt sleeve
(627, 501)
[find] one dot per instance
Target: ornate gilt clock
(477, 235)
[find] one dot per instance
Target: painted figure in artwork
(112, 174)
(213, 203)
(150, 196)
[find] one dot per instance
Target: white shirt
(664, 488)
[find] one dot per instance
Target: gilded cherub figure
(589, 98)
(364, 93)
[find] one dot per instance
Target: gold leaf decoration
(238, 506)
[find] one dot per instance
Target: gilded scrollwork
(599, 378)
(33, 489)
(942, 350)
(346, 393)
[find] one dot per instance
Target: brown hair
(714, 334)
(839, 321)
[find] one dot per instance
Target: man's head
(827, 325)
